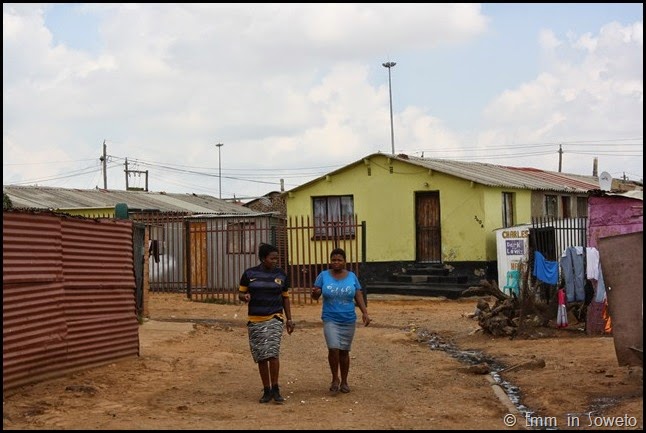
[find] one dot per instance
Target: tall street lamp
(390, 90)
(219, 145)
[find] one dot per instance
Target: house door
(428, 231)
(198, 253)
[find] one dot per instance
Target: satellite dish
(605, 181)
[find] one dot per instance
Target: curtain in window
(333, 216)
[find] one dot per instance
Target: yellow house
(90, 212)
(431, 211)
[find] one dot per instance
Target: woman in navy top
(266, 289)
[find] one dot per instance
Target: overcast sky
(294, 91)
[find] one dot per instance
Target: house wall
(523, 209)
(613, 215)
(538, 204)
(273, 202)
(385, 200)
(95, 212)
(493, 219)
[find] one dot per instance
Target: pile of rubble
(507, 316)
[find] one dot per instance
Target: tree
(6, 202)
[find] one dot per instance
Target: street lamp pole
(390, 90)
(219, 145)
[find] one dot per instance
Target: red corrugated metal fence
(68, 295)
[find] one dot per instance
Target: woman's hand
(366, 319)
(316, 293)
(244, 297)
(290, 326)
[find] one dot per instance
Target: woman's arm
(287, 307)
(358, 297)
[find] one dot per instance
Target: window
(240, 239)
(565, 206)
(507, 209)
(551, 206)
(333, 216)
(581, 206)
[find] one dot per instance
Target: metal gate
(205, 256)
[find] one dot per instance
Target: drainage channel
(472, 357)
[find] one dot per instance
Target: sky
(295, 91)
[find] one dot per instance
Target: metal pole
(390, 90)
(104, 160)
(219, 145)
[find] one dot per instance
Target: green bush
(6, 202)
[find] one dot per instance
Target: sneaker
(277, 397)
(266, 395)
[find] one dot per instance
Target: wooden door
(198, 254)
(428, 230)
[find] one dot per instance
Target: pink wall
(613, 215)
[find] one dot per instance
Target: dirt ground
(420, 365)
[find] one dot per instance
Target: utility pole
(219, 146)
(104, 161)
(560, 157)
(137, 172)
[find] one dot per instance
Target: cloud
(293, 91)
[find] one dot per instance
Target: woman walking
(340, 289)
(266, 289)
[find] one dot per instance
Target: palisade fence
(204, 256)
(551, 237)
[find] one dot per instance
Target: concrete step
(432, 279)
(450, 291)
(421, 269)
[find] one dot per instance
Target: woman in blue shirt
(340, 289)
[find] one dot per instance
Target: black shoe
(276, 393)
(267, 395)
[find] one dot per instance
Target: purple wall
(613, 215)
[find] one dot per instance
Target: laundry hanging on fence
(573, 274)
(561, 315)
(593, 272)
(545, 270)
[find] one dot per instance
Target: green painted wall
(384, 197)
(94, 212)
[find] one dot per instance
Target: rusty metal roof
(40, 197)
(508, 177)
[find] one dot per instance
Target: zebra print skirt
(264, 339)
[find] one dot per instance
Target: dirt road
(419, 365)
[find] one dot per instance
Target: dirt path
(195, 372)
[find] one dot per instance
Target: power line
(270, 176)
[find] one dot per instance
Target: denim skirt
(339, 335)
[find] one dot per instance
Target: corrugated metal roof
(638, 195)
(491, 175)
(508, 177)
(39, 197)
